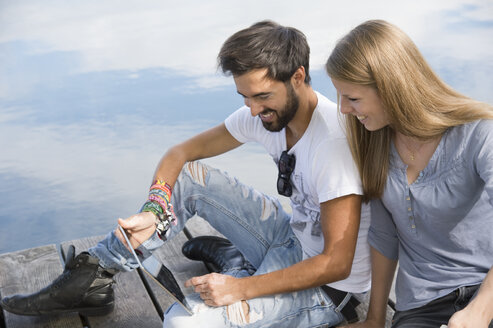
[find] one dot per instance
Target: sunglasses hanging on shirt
(286, 167)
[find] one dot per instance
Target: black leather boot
(84, 287)
(219, 252)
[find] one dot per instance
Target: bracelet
(159, 204)
(163, 223)
(159, 200)
(152, 207)
(163, 186)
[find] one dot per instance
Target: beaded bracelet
(159, 204)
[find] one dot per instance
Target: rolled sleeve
(483, 156)
(382, 234)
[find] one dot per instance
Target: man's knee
(196, 170)
(204, 317)
(174, 316)
(239, 313)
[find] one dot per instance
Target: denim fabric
(259, 227)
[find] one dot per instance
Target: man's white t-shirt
(324, 170)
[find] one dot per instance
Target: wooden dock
(140, 302)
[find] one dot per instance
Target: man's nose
(255, 107)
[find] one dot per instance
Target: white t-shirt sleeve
(336, 171)
(241, 125)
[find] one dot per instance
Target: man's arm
(479, 312)
(212, 142)
(340, 219)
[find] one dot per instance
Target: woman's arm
(383, 270)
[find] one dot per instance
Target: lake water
(92, 95)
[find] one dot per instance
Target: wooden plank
(27, 272)
(133, 305)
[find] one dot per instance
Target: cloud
(132, 35)
(85, 162)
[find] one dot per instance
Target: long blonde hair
(417, 102)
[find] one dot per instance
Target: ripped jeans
(258, 226)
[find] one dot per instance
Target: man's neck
(298, 125)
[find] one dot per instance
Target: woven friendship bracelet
(152, 207)
(157, 191)
(160, 192)
(160, 200)
(159, 204)
(161, 186)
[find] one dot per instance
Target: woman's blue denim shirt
(440, 227)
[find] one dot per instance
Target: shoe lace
(60, 280)
(66, 274)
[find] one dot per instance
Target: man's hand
(468, 318)
(479, 312)
(216, 289)
(139, 228)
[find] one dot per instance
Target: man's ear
(298, 77)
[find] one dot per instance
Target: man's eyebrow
(260, 94)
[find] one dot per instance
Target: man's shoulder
(326, 118)
(324, 103)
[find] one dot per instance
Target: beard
(284, 115)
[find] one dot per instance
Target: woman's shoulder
(484, 126)
(476, 128)
(471, 136)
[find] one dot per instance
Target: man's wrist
(480, 310)
(247, 287)
(159, 204)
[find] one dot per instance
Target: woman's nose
(345, 106)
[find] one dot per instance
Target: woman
(425, 155)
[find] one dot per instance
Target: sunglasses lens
(284, 187)
(281, 185)
(286, 163)
(286, 167)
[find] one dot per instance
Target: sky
(132, 36)
(92, 93)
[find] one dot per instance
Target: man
(293, 254)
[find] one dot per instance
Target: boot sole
(88, 312)
(94, 312)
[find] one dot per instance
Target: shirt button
(413, 226)
(408, 198)
(409, 209)
(410, 218)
